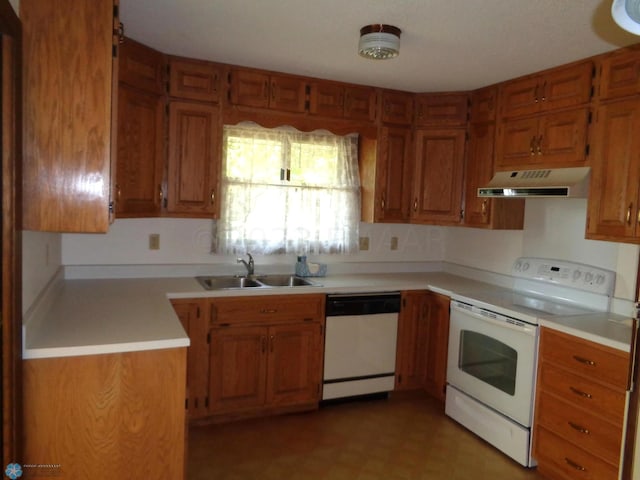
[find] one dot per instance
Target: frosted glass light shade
(626, 13)
(379, 42)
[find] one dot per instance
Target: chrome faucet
(249, 266)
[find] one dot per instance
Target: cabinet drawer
(582, 392)
(580, 427)
(267, 309)
(595, 361)
(567, 461)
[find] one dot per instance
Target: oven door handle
(500, 320)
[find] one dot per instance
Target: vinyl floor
(404, 437)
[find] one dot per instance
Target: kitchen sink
(225, 282)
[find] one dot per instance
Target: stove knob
(518, 266)
(600, 279)
(525, 266)
(576, 275)
(588, 278)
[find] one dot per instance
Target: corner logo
(13, 471)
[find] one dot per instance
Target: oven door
(492, 358)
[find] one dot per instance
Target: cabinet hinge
(165, 202)
(399, 379)
(590, 117)
(186, 404)
(111, 207)
(209, 337)
(592, 91)
(206, 402)
(307, 105)
(198, 311)
(587, 149)
(114, 51)
(462, 214)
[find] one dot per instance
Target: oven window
(488, 360)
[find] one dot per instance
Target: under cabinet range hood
(556, 182)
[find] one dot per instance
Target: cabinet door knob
(539, 145)
(415, 205)
(544, 92)
(160, 192)
(629, 213)
(213, 197)
(484, 208)
(580, 392)
(575, 465)
(579, 428)
(532, 145)
(382, 202)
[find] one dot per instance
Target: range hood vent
(557, 182)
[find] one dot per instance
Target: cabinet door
(613, 197)
(397, 107)
(516, 145)
(327, 99)
(486, 212)
(287, 94)
(249, 88)
(411, 356)
(70, 103)
(359, 103)
(295, 359)
(483, 105)
(566, 87)
(441, 110)
(194, 159)
(562, 138)
(519, 97)
(141, 67)
(479, 170)
(620, 74)
(192, 316)
(393, 182)
(437, 344)
(140, 153)
(238, 368)
(194, 80)
(438, 170)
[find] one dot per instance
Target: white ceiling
(446, 45)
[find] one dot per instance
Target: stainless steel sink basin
(221, 283)
(263, 281)
(284, 281)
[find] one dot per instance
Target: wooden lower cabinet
(118, 415)
(266, 354)
(192, 315)
(580, 406)
(423, 335)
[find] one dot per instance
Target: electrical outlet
(154, 241)
(394, 243)
(364, 243)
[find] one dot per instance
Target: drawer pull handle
(268, 310)
(586, 361)
(580, 392)
(575, 465)
(579, 428)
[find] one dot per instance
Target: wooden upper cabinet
(252, 88)
(194, 159)
(479, 212)
(70, 105)
(393, 175)
(397, 107)
(620, 74)
(342, 101)
(441, 109)
(142, 67)
(558, 88)
(613, 212)
(140, 166)
(195, 79)
(552, 140)
(359, 103)
(438, 174)
(483, 105)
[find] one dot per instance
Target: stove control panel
(569, 274)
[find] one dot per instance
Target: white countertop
(605, 328)
(88, 317)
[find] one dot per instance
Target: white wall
(553, 228)
(188, 241)
(41, 259)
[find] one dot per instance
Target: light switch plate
(394, 243)
(364, 243)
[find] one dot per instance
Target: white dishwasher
(360, 344)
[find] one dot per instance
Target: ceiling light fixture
(626, 13)
(379, 41)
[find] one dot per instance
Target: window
(285, 191)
